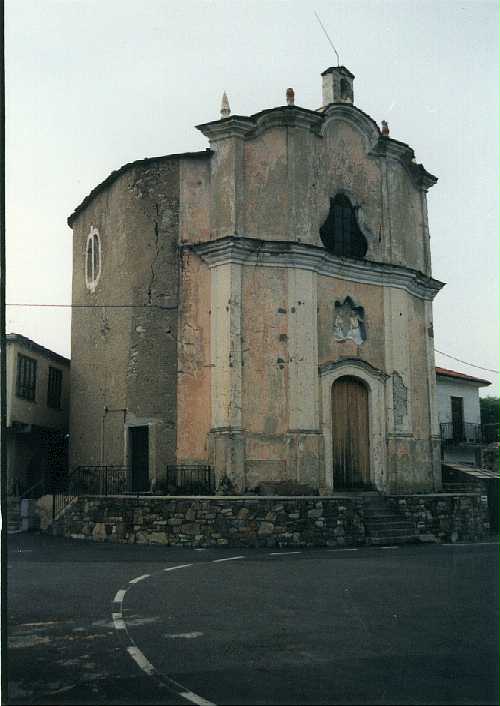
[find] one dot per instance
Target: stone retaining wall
(262, 521)
(445, 517)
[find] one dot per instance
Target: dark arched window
(340, 232)
(345, 89)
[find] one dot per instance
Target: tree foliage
(490, 410)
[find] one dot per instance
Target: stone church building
(263, 307)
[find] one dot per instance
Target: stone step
(390, 541)
(385, 532)
(396, 529)
(377, 522)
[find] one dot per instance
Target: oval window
(93, 259)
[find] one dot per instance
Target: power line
(480, 367)
(175, 306)
(99, 306)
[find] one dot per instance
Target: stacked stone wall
(263, 522)
(444, 517)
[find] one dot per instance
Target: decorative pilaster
(226, 444)
(305, 441)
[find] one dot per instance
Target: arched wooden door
(351, 434)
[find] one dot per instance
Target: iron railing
(90, 480)
(457, 433)
(190, 480)
(100, 480)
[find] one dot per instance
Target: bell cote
(337, 85)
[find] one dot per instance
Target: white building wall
(446, 389)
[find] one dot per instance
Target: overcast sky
(93, 84)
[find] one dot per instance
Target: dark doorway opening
(457, 418)
(139, 458)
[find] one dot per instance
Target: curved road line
(139, 657)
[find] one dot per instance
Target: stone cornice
(287, 116)
(393, 149)
(272, 253)
(349, 362)
(351, 114)
(378, 145)
(248, 127)
(234, 126)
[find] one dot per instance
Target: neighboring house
(262, 308)
(459, 414)
(37, 414)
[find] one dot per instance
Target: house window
(26, 377)
(340, 232)
(54, 388)
(93, 259)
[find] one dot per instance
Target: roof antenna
(327, 36)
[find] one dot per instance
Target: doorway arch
(374, 380)
(350, 433)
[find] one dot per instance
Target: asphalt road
(409, 625)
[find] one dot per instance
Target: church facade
(263, 307)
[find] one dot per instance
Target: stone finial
(385, 128)
(290, 96)
(225, 110)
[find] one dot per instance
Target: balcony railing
(460, 433)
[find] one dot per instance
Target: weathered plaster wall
(276, 184)
(371, 298)
(36, 411)
(417, 330)
(412, 452)
(194, 361)
(264, 391)
(265, 350)
(194, 201)
(125, 357)
(446, 389)
(266, 201)
(237, 385)
(303, 185)
(346, 167)
(406, 219)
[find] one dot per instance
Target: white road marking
(120, 595)
(229, 558)
(118, 621)
(140, 659)
(195, 699)
(354, 549)
(388, 547)
(187, 635)
(140, 578)
(200, 549)
(465, 544)
(282, 553)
